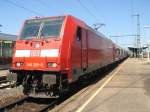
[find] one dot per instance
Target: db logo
(35, 53)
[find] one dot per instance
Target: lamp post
(148, 45)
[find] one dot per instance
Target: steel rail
(21, 105)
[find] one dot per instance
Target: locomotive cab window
(43, 28)
(79, 34)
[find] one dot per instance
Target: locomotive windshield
(44, 28)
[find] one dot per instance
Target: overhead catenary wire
(88, 10)
(92, 14)
(22, 7)
(42, 3)
(107, 31)
(93, 6)
(48, 6)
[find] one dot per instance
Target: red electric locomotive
(53, 52)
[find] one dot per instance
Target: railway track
(3, 82)
(4, 85)
(2, 78)
(27, 104)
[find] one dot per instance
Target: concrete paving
(128, 91)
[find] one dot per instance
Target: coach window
(79, 34)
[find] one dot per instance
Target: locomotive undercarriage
(39, 84)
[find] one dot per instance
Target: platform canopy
(133, 49)
(4, 36)
(137, 51)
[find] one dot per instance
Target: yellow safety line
(80, 109)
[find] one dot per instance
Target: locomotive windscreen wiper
(40, 29)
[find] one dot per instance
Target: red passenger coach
(53, 52)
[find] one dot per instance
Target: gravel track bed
(10, 95)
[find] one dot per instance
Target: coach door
(82, 36)
(84, 50)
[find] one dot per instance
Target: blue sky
(116, 14)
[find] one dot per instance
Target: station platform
(125, 90)
(128, 91)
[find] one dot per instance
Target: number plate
(35, 53)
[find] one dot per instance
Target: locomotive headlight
(18, 64)
(51, 64)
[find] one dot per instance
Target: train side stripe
(50, 53)
(22, 53)
(44, 53)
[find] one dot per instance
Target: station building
(7, 42)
